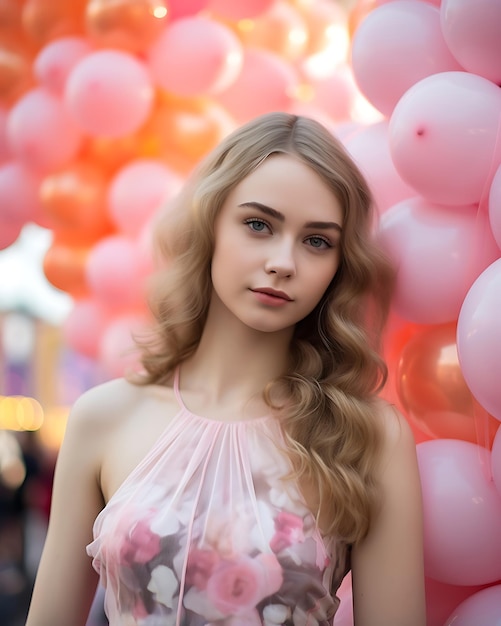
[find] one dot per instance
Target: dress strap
(175, 386)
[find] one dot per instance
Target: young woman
(250, 465)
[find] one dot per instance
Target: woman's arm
(388, 571)
(66, 582)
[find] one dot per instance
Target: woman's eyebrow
(281, 218)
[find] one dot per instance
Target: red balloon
(433, 392)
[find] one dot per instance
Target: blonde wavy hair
(336, 370)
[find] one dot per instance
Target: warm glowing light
(160, 12)
(20, 413)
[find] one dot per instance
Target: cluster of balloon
(105, 107)
(434, 161)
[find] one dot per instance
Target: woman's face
(276, 245)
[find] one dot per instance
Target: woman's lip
(273, 292)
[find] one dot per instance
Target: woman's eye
(319, 242)
(258, 226)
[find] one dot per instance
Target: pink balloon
(56, 60)
(471, 30)
(442, 599)
(183, 8)
(496, 460)
(370, 149)
(138, 190)
(9, 232)
(19, 202)
(395, 46)
(41, 133)
(109, 93)
(481, 609)
(462, 513)
(84, 326)
(495, 206)
(115, 272)
(5, 152)
(479, 339)
(439, 252)
(443, 136)
(231, 10)
(117, 350)
(265, 83)
(196, 56)
(335, 94)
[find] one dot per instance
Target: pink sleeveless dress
(206, 532)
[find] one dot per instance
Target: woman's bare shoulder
(114, 401)
(396, 431)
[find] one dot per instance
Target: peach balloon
(64, 267)
(41, 133)
(195, 56)
(266, 83)
(444, 136)
(109, 93)
(471, 30)
(231, 10)
(126, 24)
(75, 199)
(281, 29)
(433, 391)
(462, 513)
(15, 74)
(45, 20)
(55, 61)
(388, 51)
(182, 131)
(439, 252)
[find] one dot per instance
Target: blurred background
(105, 108)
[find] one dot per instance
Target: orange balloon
(11, 28)
(182, 131)
(45, 20)
(126, 24)
(432, 389)
(15, 74)
(109, 154)
(64, 267)
(75, 199)
(281, 29)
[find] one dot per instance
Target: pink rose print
(238, 585)
(140, 545)
(201, 564)
(288, 530)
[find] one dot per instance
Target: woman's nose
(281, 261)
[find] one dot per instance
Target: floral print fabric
(205, 532)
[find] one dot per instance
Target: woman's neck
(233, 364)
